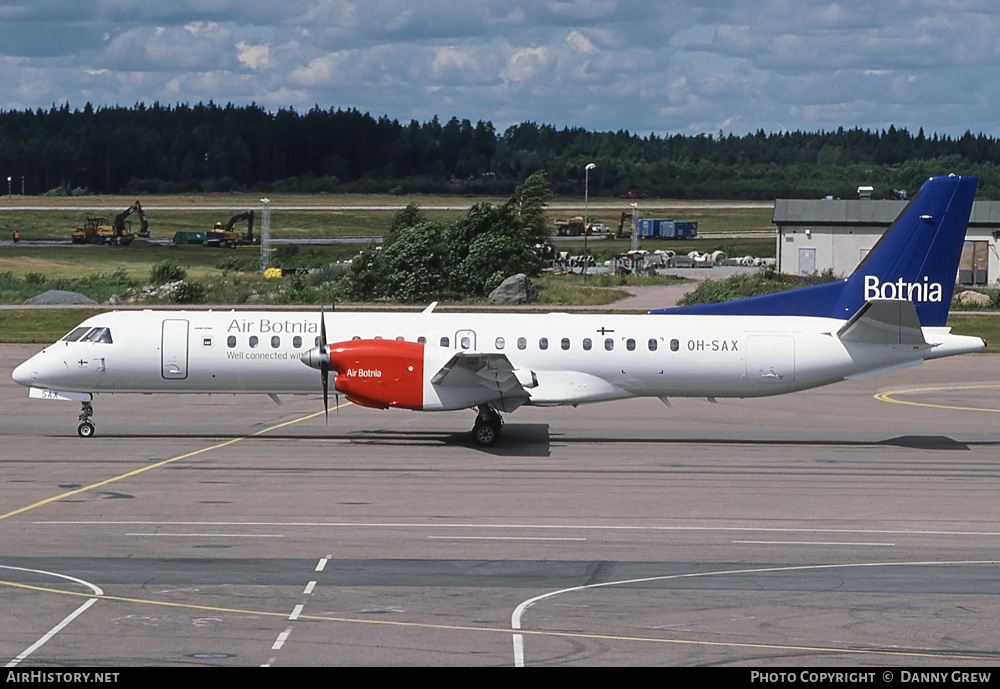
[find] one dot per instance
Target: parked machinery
(226, 236)
(119, 232)
(571, 227)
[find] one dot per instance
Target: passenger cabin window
(587, 344)
(543, 343)
(466, 342)
(253, 341)
(630, 344)
(500, 343)
(522, 343)
(609, 344)
(275, 341)
(422, 340)
(564, 343)
(445, 342)
(316, 342)
(76, 334)
(674, 345)
(356, 337)
(652, 345)
(297, 341)
(102, 335)
(231, 341)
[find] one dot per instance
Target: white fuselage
(627, 356)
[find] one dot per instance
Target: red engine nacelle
(380, 373)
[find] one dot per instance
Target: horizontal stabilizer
(884, 322)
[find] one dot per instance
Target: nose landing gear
(86, 428)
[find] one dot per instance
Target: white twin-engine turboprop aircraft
(889, 314)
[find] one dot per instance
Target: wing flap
(493, 372)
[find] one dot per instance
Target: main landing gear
(486, 430)
(86, 428)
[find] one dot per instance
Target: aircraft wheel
(85, 429)
(486, 434)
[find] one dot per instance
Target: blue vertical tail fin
(916, 258)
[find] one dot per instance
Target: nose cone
(24, 373)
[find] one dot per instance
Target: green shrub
(166, 271)
(764, 281)
(189, 293)
(239, 264)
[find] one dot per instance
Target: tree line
(207, 147)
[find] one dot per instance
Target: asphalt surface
(825, 528)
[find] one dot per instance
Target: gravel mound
(59, 297)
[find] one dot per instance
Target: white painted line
(296, 611)
(554, 527)
(500, 538)
(52, 632)
(280, 641)
(515, 618)
(321, 565)
(848, 543)
(309, 588)
(69, 618)
(518, 650)
(209, 535)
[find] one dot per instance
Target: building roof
(861, 212)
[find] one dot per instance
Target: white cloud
(642, 65)
(252, 56)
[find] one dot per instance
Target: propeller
(319, 358)
(324, 363)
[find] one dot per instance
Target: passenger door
(174, 349)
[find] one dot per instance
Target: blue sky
(646, 66)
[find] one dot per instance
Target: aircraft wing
(493, 372)
(509, 387)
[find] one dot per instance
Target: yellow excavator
(226, 236)
(119, 232)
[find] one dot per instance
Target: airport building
(814, 235)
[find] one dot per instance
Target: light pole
(8, 186)
(586, 208)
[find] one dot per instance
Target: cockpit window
(75, 335)
(102, 335)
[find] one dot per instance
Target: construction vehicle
(225, 235)
(119, 232)
(623, 233)
(573, 227)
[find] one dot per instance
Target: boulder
(517, 289)
(970, 297)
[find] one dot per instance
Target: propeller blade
(324, 364)
(322, 329)
(326, 395)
